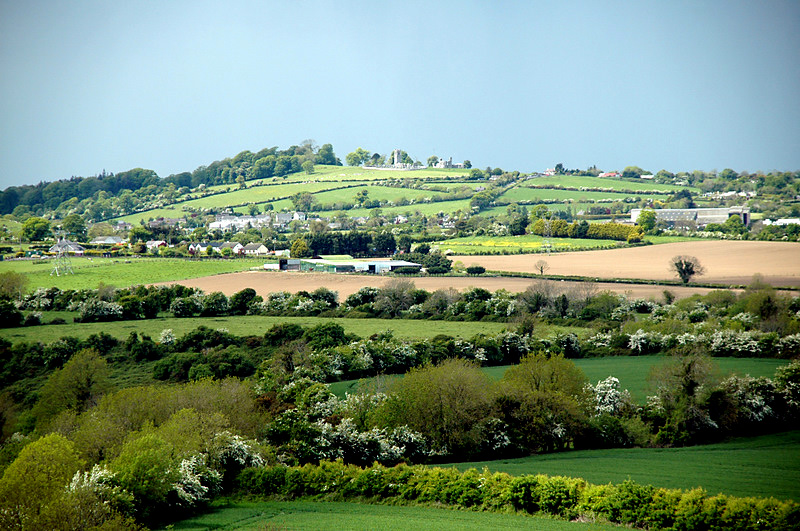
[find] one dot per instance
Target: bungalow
(235, 247)
(153, 245)
(66, 246)
(255, 249)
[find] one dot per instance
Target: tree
(397, 295)
(308, 167)
(559, 168)
(384, 243)
(447, 403)
(325, 155)
(633, 172)
(300, 249)
(303, 201)
(74, 387)
(357, 157)
(544, 402)
(541, 266)
(12, 284)
(240, 180)
(432, 160)
(476, 270)
(686, 267)
(35, 229)
(74, 226)
(467, 164)
(38, 475)
(647, 220)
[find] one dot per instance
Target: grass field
(121, 273)
(632, 372)
(573, 181)
(247, 515)
(763, 466)
(524, 193)
(249, 325)
(529, 243)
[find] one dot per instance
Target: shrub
(476, 270)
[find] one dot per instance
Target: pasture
(118, 272)
(526, 193)
(247, 325)
(762, 466)
(575, 181)
(245, 515)
(631, 371)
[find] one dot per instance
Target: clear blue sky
(172, 85)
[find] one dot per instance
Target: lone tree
(541, 266)
(686, 267)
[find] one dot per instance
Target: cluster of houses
(229, 222)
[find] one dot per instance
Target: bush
(476, 270)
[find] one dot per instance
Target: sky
(87, 86)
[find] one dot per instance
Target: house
(255, 249)
(611, 174)
(66, 246)
(106, 240)
(153, 245)
(235, 247)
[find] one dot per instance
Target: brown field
(726, 263)
(270, 282)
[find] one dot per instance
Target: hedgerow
(628, 503)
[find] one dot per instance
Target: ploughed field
(726, 263)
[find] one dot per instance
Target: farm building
(106, 240)
(699, 216)
(344, 266)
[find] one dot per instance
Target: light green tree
(38, 474)
(647, 220)
(35, 229)
(357, 157)
(76, 386)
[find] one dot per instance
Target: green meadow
(762, 466)
(119, 272)
(574, 181)
(523, 193)
(246, 325)
(251, 515)
(631, 371)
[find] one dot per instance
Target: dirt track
(725, 262)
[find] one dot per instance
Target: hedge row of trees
(628, 503)
(582, 229)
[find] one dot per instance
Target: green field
(263, 515)
(246, 325)
(631, 371)
(121, 272)
(573, 181)
(762, 466)
(523, 193)
(529, 243)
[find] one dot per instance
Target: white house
(255, 249)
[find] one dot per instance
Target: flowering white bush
(100, 482)
(643, 342)
(229, 449)
(608, 397)
(167, 337)
(98, 310)
(753, 396)
(600, 340)
(746, 318)
(345, 442)
(730, 342)
(197, 482)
